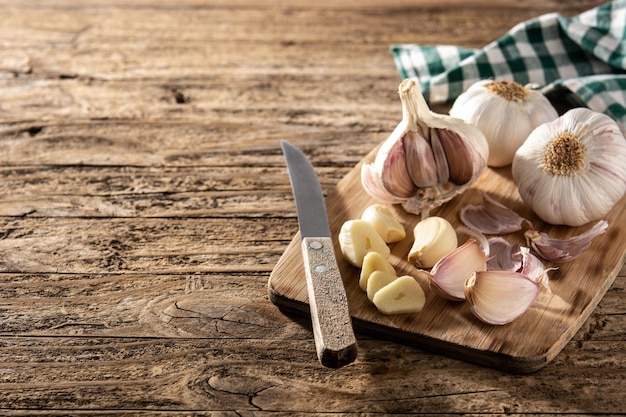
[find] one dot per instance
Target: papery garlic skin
(563, 250)
(492, 217)
(427, 160)
(571, 171)
(505, 112)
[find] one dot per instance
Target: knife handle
(332, 325)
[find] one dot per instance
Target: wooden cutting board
(525, 345)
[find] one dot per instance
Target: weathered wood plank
(75, 245)
(127, 191)
(215, 375)
(190, 305)
(216, 143)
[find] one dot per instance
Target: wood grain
(144, 203)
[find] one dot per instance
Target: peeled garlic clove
(499, 297)
(402, 296)
(373, 262)
(428, 159)
(492, 217)
(448, 276)
(505, 112)
(380, 216)
(378, 280)
(434, 238)
(563, 250)
(571, 171)
(358, 237)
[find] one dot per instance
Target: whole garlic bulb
(427, 160)
(572, 171)
(505, 112)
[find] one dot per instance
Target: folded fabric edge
(601, 93)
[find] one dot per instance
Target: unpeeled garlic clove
(427, 160)
(434, 238)
(358, 237)
(380, 216)
(448, 276)
(422, 171)
(499, 297)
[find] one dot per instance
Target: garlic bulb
(427, 160)
(505, 112)
(571, 171)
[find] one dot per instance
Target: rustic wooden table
(144, 203)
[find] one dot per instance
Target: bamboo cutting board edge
(526, 345)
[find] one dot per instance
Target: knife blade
(335, 342)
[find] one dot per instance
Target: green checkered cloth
(584, 55)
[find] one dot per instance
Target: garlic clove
(420, 160)
(563, 250)
(358, 237)
(373, 262)
(571, 171)
(506, 112)
(380, 216)
(441, 162)
(395, 175)
(458, 152)
(402, 296)
(492, 217)
(434, 238)
(448, 276)
(378, 280)
(499, 297)
(428, 159)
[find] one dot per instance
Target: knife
(332, 325)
